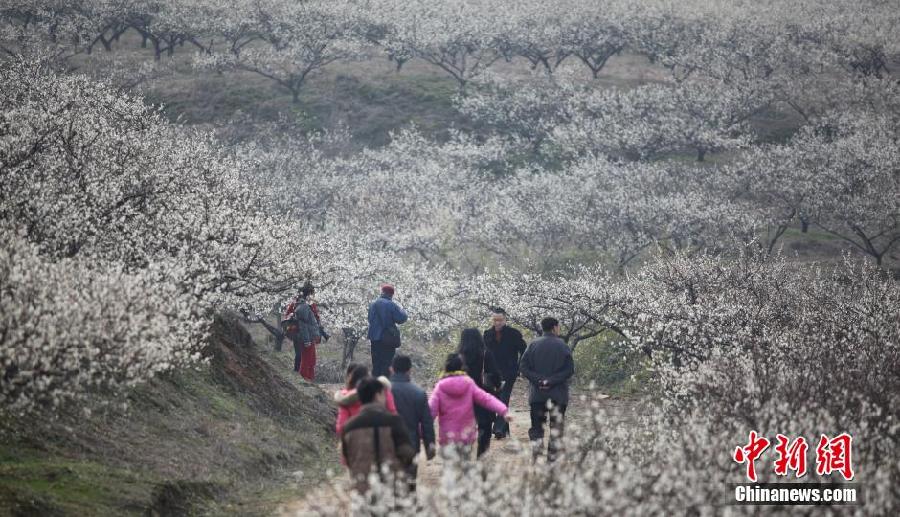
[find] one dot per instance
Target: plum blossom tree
(460, 38)
(47, 29)
(840, 174)
(859, 38)
(98, 180)
(583, 298)
(564, 119)
(412, 195)
(597, 31)
(69, 329)
(288, 42)
(95, 174)
(767, 329)
(536, 34)
(619, 210)
(656, 119)
(524, 112)
(170, 24)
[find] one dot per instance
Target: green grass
(610, 366)
(812, 235)
(30, 481)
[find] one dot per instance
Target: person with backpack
(548, 366)
(375, 440)
(308, 359)
(384, 316)
(412, 406)
(303, 327)
(507, 345)
(453, 403)
(481, 367)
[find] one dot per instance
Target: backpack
(289, 325)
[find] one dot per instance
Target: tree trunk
(351, 340)
(778, 233)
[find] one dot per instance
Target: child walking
(453, 404)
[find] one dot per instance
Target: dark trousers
(501, 426)
(382, 357)
(485, 420)
(540, 414)
(298, 353)
(411, 472)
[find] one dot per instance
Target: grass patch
(55, 486)
(607, 363)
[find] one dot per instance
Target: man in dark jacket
(384, 316)
(548, 366)
(375, 439)
(507, 345)
(412, 406)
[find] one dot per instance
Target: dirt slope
(227, 438)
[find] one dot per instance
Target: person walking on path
(507, 345)
(384, 316)
(481, 367)
(347, 398)
(304, 331)
(548, 366)
(375, 439)
(452, 402)
(412, 406)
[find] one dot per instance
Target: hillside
(370, 96)
(229, 438)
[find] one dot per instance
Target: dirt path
(615, 411)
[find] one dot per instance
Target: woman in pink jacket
(453, 403)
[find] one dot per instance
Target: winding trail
(616, 412)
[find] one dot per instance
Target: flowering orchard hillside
(666, 214)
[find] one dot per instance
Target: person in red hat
(384, 316)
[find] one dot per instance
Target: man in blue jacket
(384, 316)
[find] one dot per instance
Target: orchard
(659, 210)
